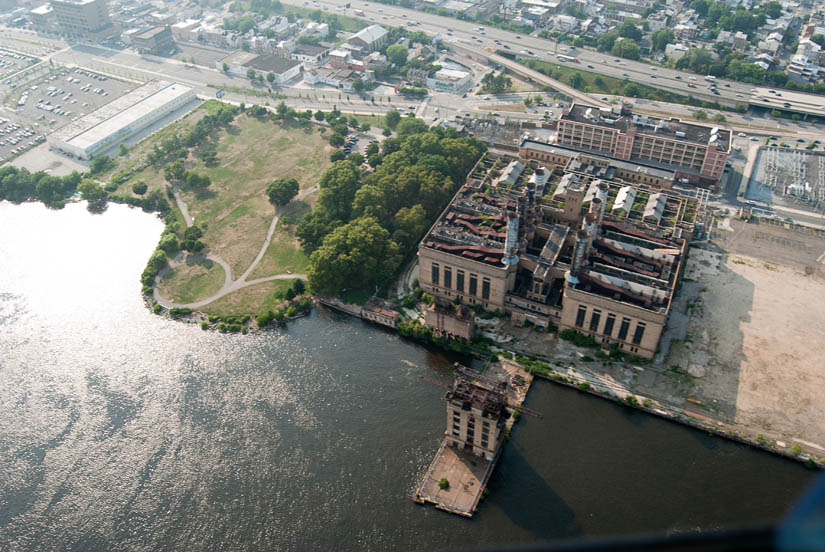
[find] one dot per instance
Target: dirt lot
(752, 354)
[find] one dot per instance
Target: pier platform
(466, 472)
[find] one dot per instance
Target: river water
(123, 430)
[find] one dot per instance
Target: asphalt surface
(473, 34)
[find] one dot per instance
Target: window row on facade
(594, 325)
(446, 280)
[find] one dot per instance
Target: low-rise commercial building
(115, 122)
(239, 63)
(157, 40)
(450, 80)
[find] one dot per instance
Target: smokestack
(601, 193)
(590, 223)
(597, 209)
(511, 244)
(578, 257)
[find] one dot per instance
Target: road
(471, 34)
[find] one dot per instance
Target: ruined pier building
(586, 245)
(476, 413)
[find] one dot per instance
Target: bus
(569, 59)
(710, 78)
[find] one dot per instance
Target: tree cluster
(19, 185)
(281, 191)
(175, 146)
(362, 226)
(496, 84)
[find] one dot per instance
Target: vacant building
(476, 413)
(581, 250)
(697, 153)
(83, 18)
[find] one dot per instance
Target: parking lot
(56, 100)
(11, 63)
(16, 138)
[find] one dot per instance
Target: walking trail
(229, 285)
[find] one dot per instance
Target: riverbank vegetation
(364, 223)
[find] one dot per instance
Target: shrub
(444, 484)
(157, 308)
(578, 339)
(204, 324)
(177, 312)
(139, 188)
(587, 358)
(796, 449)
(631, 400)
(265, 318)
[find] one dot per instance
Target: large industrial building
(120, 119)
(583, 250)
(696, 153)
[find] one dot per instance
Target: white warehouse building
(121, 118)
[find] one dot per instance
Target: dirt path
(230, 285)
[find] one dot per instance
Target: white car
(742, 135)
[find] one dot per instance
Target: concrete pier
(468, 473)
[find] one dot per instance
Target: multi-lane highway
(471, 34)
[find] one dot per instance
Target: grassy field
(251, 299)
(234, 210)
(283, 254)
(191, 282)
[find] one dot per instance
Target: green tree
(123, 151)
(410, 224)
(270, 77)
(139, 188)
(225, 67)
(100, 165)
(719, 118)
(92, 192)
(661, 38)
(528, 101)
(358, 85)
(577, 81)
(626, 48)
(337, 155)
(392, 118)
(397, 54)
(700, 114)
(411, 125)
(319, 115)
(356, 158)
(360, 252)
(338, 186)
(629, 30)
(606, 41)
(281, 191)
(251, 74)
(336, 139)
(174, 171)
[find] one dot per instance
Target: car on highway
(742, 135)
(679, 77)
(754, 139)
(691, 85)
(800, 140)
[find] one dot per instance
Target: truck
(710, 78)
(359, 12)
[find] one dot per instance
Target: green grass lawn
(251, 299)
(192, 282)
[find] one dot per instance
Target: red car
(691, 85)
